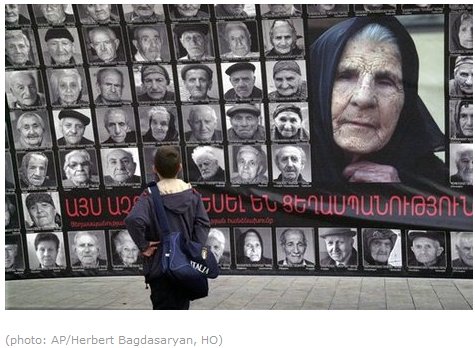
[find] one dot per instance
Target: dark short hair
(45, 237)
(167, 161)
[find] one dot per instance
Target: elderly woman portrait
(284, 39)
(124, 252)
(13, 253)
(217, 243)
(371, 124)
(68, 88)
(15, 15)
(17, 49)
(461, 32)
(378, 244)
(35, 172)
(42, 211)
(250, 249)
(78, 170)
(161, 126)
(236, 40)
(250, 163)
(461, 166)
(288, 124)
(11, 213)
(462, 119)
(31, 132)
(210, 163)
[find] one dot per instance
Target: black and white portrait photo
(242, 81)
(461, 76)
(116, 125)
(188, 12)
(42, 210)
(12, 221)
(154, 83)
(461, 31)
(291, 164)
(159, 124)
(149, 159)
(98, 13)
(462, 250)
(381, 248)
(219, 243)
(426, 249)
(9, 177)
(31, 130)
(193, 42)
(110, 85)
(295, 247)
(286, 80)
(46, 251)
(231, 11)
(461, 119)
(238, 40)
(24, 89)
(138, 13)
(253, 247)
(327, 10)
(124, 252)
(283, 38)
(20, 49)
(198, 82)
(289, 122)
(281, 10)
(104, 45)
(461, 164)
(245, 123)
(16, 15)
(60, 46)
(121, 166)
(87, 249)
(149, 42)
(248, 164)
(338, 247)
(79, 168)
(68, 87)
(73, 127)
(36, 170)
(202, 123)
(14, 260)
(206, 164)
(54, 15)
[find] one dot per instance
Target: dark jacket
(169, 96)
(300, 180)
(352, 261)
(220, 11)
(84, 141)
(132, 180)
(217, 136)
(458, 263)
(218, 177)
(232, 95)
(129, 138)
(171, 136)
(296, 51)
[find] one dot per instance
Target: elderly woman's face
(283, 38)
(368, 96)
(69, 89)
(288, 123)
(159, 125)
(465, 33)
(11, 13)
(238, 42)
(216, 247)
(248, 165)
(252, 247)
(53, 13)
(78, 169)
(187, 10)
(43, 214)
(17, 49)
(466, 120)
(128, 251)
(463, 76)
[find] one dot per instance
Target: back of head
(167, 161)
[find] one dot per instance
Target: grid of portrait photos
(93, 90)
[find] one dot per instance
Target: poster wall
(324, 139)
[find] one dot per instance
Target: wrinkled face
(368, 96)
(87, 250)
(238, 41)
(283, 38)
(36, 170)
(99, 12)
(208, 166)
(117, 126)
(69, 89)
(46, 253)
(243, 82)
(280, 9)
(43, 214)
(144, 11)
(233, 9)
(159, 124)
(17, 50)
(288, 123)
(149, 43)
(466, 120)
(465, 249)
(187, 10)
(380, 249)
(216, 247)
(11, 251)
(245, 124)
(111, 86)
(54, 14)
(464, 78)
(31, 131)
(60, 49)
(426, 250)
(194, 43)
(23, 89)
(466, 33)
(247, 165)
(197, 82)
(252, 247)
(465, 166)
(155, 85)
(327, 7)
(105, 45)
(203, 124)
(290, 163)
(128, 251)
(78, 170)
(294, 247)
(339, 247)
(73, 130)
(287, 82)
(120, 166)
(11, 13)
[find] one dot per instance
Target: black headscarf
(456, 28)
(458, 108)
(172, 133)
(416, 135)
(242, 258)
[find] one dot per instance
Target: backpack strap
(159, 208)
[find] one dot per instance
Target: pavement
(235, 292)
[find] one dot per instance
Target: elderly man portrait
(245, 122)
(371, 124)
(13, 253)
(110, 85)
(162, 126)
(17, 49)
(280, 10)
(54, 14)
(119, 124)
(42, 211)
(203, 123)
(462, 83)
(87, 249)
(378, 244)
(125, 252)
(293, 243)
(14, 16)
(283, 38)
(119, 168)
(462, 116)
(23, 90)
(78, 169)
(251, 165)
(217, 243)
(461, 31)
(290, 161)
(229, 10)
(243, 80)
(60, 47)
(321, 9)
(288, 124)
(98, 14)
(288, 81)
(155, 84)
(148, 42)
(198, 81)
(210, 162)
(47, 246)
(427, 249)
(193, 39)
(187, 11)
(11, 213)
(340, 250)
(237, 40)
(105, 45)
(72, 126)
(463, 159)
(68, 88)
(34, 171)
(463, 242)
(144, 14)
(32, 132)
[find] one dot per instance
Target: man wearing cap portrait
(427, 249)
(243, 80)
(378, 245)
(198, 80)
(194, 39)
(245, 122)
(155, 84)
(60, 49)
(462, 83)
(72, 126)
(288, 81)
(17, 49)
(339, 245)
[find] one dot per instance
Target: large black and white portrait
(79, 168)
(327, 10)
(36, 170)
(248, 164)
(104, 45)
(16, 15)
(426, 249)
(461, 164)
(283, 38)
(281, 10)
(193, 42)
(242, 81)
(121, 166)
(202, 123)
(20, 49)
(159, 124)
(198, 82)
(238, 40)
(461, 250)
(31, 130)
(14, 260)
(12, 220)
(381, 248)
(188, 12)
(73, 127)
(149, 160)
(139, 13)
(98, 13)
(253, 247)
(42, 210)
(289, 122)
(291, 164)
(154, 83)
(234, 11)
(286, 80)
(68, 87)
(219, 243)
(87, 250)
(124, 252)
(9, 177)
(24, 89)
(54, 14)
(338, 247)
(111, 85)
(46, 251)
(245, 123)
(116, 125)
(206, 164)
(60, 46)
(461, 76)
(461, 31)
(295, 247)
(149, 43)
(461, 119)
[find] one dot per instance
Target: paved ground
(248, 292)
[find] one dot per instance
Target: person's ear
(136, 44)
(439, 251)
(117, 43)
